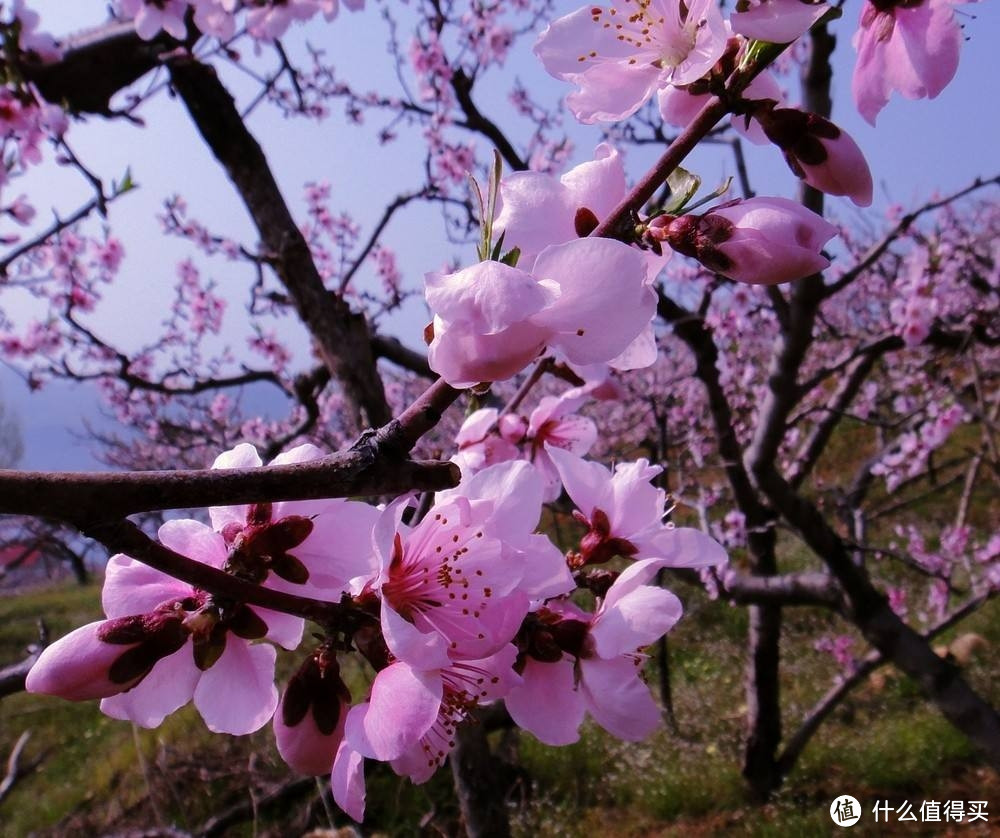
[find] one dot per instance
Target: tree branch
(85, 498)
(342, 336)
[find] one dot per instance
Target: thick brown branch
(85, 498)
(96, 65)
(342, 336)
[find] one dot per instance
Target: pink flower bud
(761, 241)
(77, 666)
(309, 724)
(819, 152)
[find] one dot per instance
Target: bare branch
(84, 498)
(787, 589)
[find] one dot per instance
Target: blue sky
(919, 147)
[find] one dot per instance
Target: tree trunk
(478, 784)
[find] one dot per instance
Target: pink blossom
(165, 643)
(618, 55)
(624, 513)
(603, 649)
(215, 17)
(39, 44)
(588, 299)
(271, 21)
(450, 587)
(84, 664)
(554, 424)
(761, 241)
(419, 709)
(777, 21)
(479, 443)
(538, 210)
(911, 48)
(294, 545)
(217, 656)
(152, 16)
(411, 717)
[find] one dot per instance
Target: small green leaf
(683, 184)
(127, 183)
(498, 248)
(511, 256)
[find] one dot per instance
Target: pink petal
(408, 643)
(304, 747)
(196, 541)
(618, 699)
(564, 40)
(339, 547)
(515, 492)
(347, 781)
(283, 629)
(243, 455)
(490, 296)
(777, 21)
(463, 355)
(925, 45)
(535, 211)
(548, 703)
(685, 547)
(604, 301)
(598, 184)
(587, 483)
(611, 93)
(404, 704)
(414, 764)
(638, 504)
(168, 687)
(237, 694)
(130, 587)
(476, 426)
(636, 620)
(546, 574)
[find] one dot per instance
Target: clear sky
(918, 148)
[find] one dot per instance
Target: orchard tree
(725, 345)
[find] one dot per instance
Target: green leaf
(718, 192)
(683, 184)
(511, 256)
(498, 248)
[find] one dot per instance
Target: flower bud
(309, 724)
(106, 658)
(819, 152)
(761, 241)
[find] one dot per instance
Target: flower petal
(237, 694)
(548, 704)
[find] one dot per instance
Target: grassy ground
(97, 776)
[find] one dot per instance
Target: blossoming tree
(722, 347)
